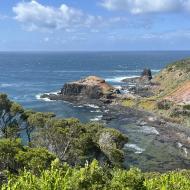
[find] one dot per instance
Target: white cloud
(146, 6)
(37, 16)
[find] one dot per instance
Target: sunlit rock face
(91, 89)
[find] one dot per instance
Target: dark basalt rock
(140, 85)
(146, 74)
(145, 78)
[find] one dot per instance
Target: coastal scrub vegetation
(41, 152)
(95, 177)
(69, 139)
(170, 89)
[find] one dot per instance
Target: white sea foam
(179, 145)
(137, 149)
(119, 79)
(38, 96)
(155, 70)
(97, 118)
(95, 111)
(4, 85)
(185, 151)
(55, 93)
(148, 130)
(118, 87)
(92, 106)
(80, 106)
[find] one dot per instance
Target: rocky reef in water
(140, 85)
(89, 90)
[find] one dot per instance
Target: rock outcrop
(140, 85)
(146, 74)
(145, 77)
(92, 87)
(89, 90)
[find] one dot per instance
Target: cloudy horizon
(110, 25)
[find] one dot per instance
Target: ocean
(26, 75)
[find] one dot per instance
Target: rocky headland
(91, 90)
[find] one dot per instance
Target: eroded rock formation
(85, 90)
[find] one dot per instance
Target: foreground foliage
(59, 151)
(69, 139)
(95, 177)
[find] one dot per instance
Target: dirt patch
(181, 95)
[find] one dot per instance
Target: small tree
(10, 117)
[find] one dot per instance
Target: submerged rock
(89, 90)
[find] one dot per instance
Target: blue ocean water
(26, 75)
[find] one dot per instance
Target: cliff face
(92, 87)
(89, 90)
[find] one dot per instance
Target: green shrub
(186, 107)
(95, 177)
(164, 105)
(127, 180)
(90, 177)
(177, 180)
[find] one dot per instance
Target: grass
(129, 103)
(143, 104)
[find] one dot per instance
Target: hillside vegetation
(171, 94)
(173, 77)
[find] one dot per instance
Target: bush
(90, 177)
(164, 105)
(129, 180)
(176, 180)
(186, 107)
(14, 157)
(95, 177)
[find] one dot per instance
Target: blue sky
(68, 25)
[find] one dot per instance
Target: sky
(94, 25)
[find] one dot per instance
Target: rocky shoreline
(94, 90)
